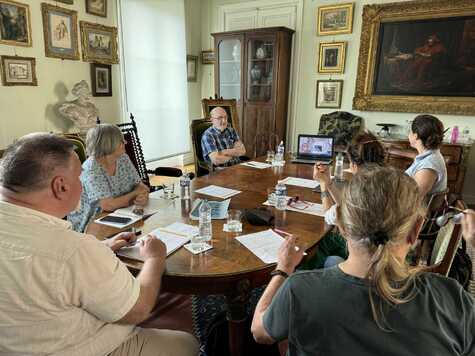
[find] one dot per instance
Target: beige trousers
(155, 342)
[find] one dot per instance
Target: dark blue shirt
(214, 140)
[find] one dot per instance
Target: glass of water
(168, 190)
(271, 197)
(270, 156)
(197, 242)
(234, 220)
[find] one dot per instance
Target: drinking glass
(270, 156)
(197, 242)
(271, 197)
(168, 190)
(234, 220)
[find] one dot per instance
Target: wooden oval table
(230, 268)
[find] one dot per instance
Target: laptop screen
(315, 146)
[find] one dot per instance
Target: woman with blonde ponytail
(373, 303)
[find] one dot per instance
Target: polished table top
(229, 259)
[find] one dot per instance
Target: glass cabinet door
(230, 68)
(260, 69)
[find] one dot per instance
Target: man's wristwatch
(325, 194)
(279, 272)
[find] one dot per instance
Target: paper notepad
(173, 236)
(265, 244)
(301, 182)
(217, 191)
(255, 164)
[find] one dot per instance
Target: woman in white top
(428, 169)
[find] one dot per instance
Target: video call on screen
(315, 146)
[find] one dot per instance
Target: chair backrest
(79, 145)
(133, 148)
(436, 204)
(227, 104)
(342, 125)
(197, 128)
(446, 244)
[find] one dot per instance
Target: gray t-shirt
(327, 312)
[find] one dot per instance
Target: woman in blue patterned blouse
(109, 179)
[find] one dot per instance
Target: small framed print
(97, 7)
(329, 93)
(99, 43)
(60, 32)
(18, 70)
(69, 2)
(335, 19)
(101, 79)
(207, 57)
(331, 57)
(15, 25)
(192, 68)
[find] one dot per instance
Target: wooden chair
(197, 128)
(133, 148)
(446, 245)
(79, 145)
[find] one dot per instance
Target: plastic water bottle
(279, 156)
(466, 134)
(205, 227)
(339, 167)
(185, 186)
(281, 196)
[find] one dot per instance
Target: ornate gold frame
(373, 16)
(209, 104)
(340, 68)
(349, 25)
(90, 11)
(3, 59)
(91, 57)
(45, 8)
(28, 20)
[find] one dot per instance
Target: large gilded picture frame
(99, 43)
(417, 56)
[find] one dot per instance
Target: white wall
(307, 116)
(25, 109)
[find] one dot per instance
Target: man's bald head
(219, 118)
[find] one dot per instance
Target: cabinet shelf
(262, 59)
(261, 85)
(228, 61)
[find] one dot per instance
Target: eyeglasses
(219, 118)
(295, 203)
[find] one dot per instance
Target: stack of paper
(265, 244)
(217, 191)
(301, 182)
(173, 236)
(255, 164)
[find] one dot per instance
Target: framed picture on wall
(335, 19)
(331, 58)
(15, 25)
(18, 70)
(99, 43)
(329, 93)
(97, 7)
(60, 32)
(207, 57)
(69, 2)
(192, 68)
(101, 79)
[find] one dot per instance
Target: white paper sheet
(306, 208)
(301, 182)
(255, 164)
(172, 236)
(217, 191)
(152, 207)
(265, 244)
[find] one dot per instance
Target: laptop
(313, 148)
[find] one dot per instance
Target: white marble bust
(81, 111)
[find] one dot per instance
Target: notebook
(313, 148)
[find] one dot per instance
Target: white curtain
(154, 69)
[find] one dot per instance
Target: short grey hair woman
(373, 303)
(109, 179)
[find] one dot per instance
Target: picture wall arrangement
(332, 20)
(61, 40)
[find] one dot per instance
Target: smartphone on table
(116, 219)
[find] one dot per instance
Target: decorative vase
(260, 53)
(256, 74)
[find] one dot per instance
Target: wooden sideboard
(401, 155)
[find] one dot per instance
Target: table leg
(236, 314)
